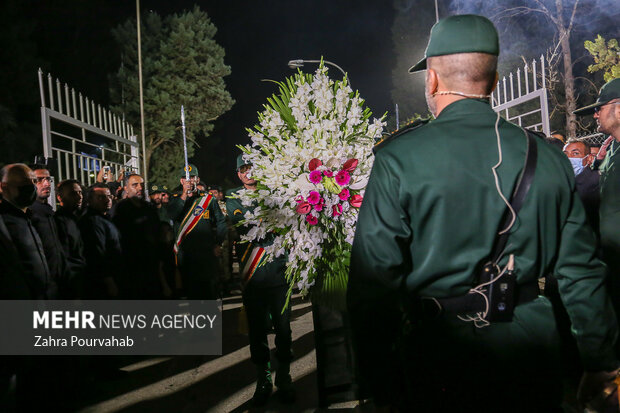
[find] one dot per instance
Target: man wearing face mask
(586, 179)
(428, 228)
(18, 192)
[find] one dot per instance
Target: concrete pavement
(212, 383)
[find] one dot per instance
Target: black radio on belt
(500, 293)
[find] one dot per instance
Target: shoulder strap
(518, 196)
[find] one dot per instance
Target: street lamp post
(294, 64)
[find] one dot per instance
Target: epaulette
(407, 128)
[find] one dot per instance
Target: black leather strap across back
(518, 196)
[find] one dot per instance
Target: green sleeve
(220, 222)
(380, 258)
(175, 209)
(581, 280)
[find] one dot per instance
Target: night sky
(73, 41)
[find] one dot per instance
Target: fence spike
(51, 90)
(59, 95)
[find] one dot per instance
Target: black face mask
(26, 195)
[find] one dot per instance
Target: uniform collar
(465, 107)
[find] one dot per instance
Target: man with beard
(69, 195)
(43, 221)
(428, 243)
(138, 224)
(606, 111)
(156, 195)
(264, 295)
(199, 227)
(102, 246)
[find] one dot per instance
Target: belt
(432, 307)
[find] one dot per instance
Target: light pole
(294, 64)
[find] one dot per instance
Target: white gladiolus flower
(304, 193)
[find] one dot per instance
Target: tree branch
(572, 16)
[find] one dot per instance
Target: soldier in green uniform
(264, 295)
(428, 223)
(200, 227)
(606, 111)
(156, 194)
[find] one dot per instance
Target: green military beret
(158, 188)
(240, 161)
(609, 92)
(193, 171)
(465, 33)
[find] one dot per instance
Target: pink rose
(311, 219)
(350, 165)
(343, 178)
(344, 195)
(314, 163)
(303, 208)
(356, 201)
(337, 210)
(328, 173)
(315, 177)
(314, 197)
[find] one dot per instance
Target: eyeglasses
(43, 178)
(598, 108)
(245, 168)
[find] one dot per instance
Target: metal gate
(522, 97)
(81, 136)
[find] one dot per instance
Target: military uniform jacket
(210, 230)
(609, 211)
(269, 274)
(429, 218)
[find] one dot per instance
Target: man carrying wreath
(264, 296)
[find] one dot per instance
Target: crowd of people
(444, 291)
(110, 241)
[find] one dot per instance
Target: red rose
(350, 165)
(356, 200)
(314, 163)
(303, 208)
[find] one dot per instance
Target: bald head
(472, 73)
(18, 185)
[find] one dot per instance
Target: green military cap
(240, 161)
(609, 92)
(158, 188)
(193, 171)
(465, 33)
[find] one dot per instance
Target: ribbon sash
(191, 220)
(252, 262)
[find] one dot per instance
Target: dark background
(375, 41)
(71, 39)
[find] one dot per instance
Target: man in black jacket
(69, 195)
(138, 224)
(18, 192)
(102, 247)
(43, 221)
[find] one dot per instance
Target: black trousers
(260, 304)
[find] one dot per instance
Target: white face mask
(577, 164)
